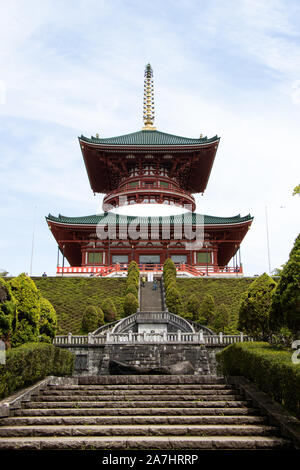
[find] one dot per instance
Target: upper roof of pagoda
(108, 160)
(151, 138)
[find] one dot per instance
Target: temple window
(94, 257)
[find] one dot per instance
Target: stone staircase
(139, 412)
(150, 300)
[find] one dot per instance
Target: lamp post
(63, 262)
(268, 243)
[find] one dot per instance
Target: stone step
(141, 387)
(145, 442)
(137, 411)
(137, 403)
(136, 397)
(123, 393)
(137, 430)
(149, 379)
(113, 420)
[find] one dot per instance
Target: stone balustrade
(165, 337)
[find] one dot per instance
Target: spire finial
(148, 114)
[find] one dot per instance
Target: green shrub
(269, 367)
(285, 307)
(7, 311)
(169, 267)
(255, 307)
(48, 320)
(174, 301)
(92, 319)
(130, 304)
(132, 289)
(109, 310)
(31, 362)
(133, 267)
(222, 318)
(207, 310)
(27, 298)
(193, 307)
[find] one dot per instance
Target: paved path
(150, 299)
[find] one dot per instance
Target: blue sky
(76, 67)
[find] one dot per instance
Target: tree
(28, 310)
(174, 301)
(193, 307)
(207, 310)
(109, 310)
(48, 320)
(7, 311)
(285, 308)
(255, 308)
(222, 318)
(296, 190)
(92, 318)
(130, 305)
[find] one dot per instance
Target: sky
(76, 67)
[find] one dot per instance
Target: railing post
(201, 336)
(130, 336)
(165, 336)
(107, 337)
(178, 335)
(242, 337)
(90, 338)
(69, 338)
(221, 337)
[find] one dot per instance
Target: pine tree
(193, 307)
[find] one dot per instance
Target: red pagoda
(149, 178)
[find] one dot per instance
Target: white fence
(179, 337)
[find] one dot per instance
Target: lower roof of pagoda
(186, 218)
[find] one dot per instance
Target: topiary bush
(109, 310)
(92, 319)
(31, 362)
(221, 319)
(130, 304)
(193, 307)
(207, 310)
(269, 367)
(174, 301)
(255, 308)
(132, 289)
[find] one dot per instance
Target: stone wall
(94, 360)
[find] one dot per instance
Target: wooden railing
(130, 337)
(103, 271)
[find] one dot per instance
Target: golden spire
(148, 114)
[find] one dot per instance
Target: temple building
(149, 178)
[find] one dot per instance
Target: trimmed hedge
(32, 362)
(270, 368)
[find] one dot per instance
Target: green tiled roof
(190, 217)
(149, 138)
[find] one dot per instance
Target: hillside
(70, 296)
(227, 291)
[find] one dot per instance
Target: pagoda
(149, 179)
